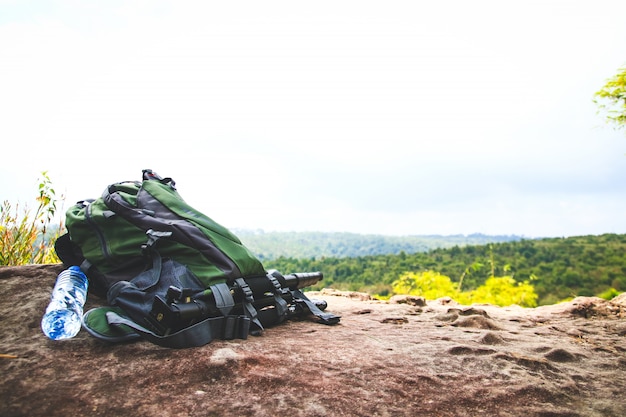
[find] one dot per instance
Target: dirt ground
(383, 359)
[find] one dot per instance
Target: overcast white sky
(390, 117)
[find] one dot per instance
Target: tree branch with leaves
(611, 99)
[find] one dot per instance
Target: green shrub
(609, 294)
(428, 284)
(501, 291)
(505, 291)
(26, 237)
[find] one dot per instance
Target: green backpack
(171, 274)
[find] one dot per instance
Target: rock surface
(405, 358)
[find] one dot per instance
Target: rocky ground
(401, 358)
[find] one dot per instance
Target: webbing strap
(248, 306)
(324, 318)
(231, 327)
(224, 301)
(85, 266)
(279, 302)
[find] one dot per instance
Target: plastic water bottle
(63, 316)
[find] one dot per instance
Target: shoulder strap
(201, 333)
(324, 318)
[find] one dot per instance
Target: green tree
(612, 99)
(428, 284)
(504, 291)
(473, 267)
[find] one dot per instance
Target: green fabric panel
(119, 239)
(171, 199)
(221, 237)
(128, 190)
(206, 272)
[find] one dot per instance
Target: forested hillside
(272, 245)
(558, 268)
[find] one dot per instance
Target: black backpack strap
(224, 301)
(324, 318)
(150, 175)
(199, 334)
(248, 306)
(279, 302)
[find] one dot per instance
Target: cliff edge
(405, 357)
